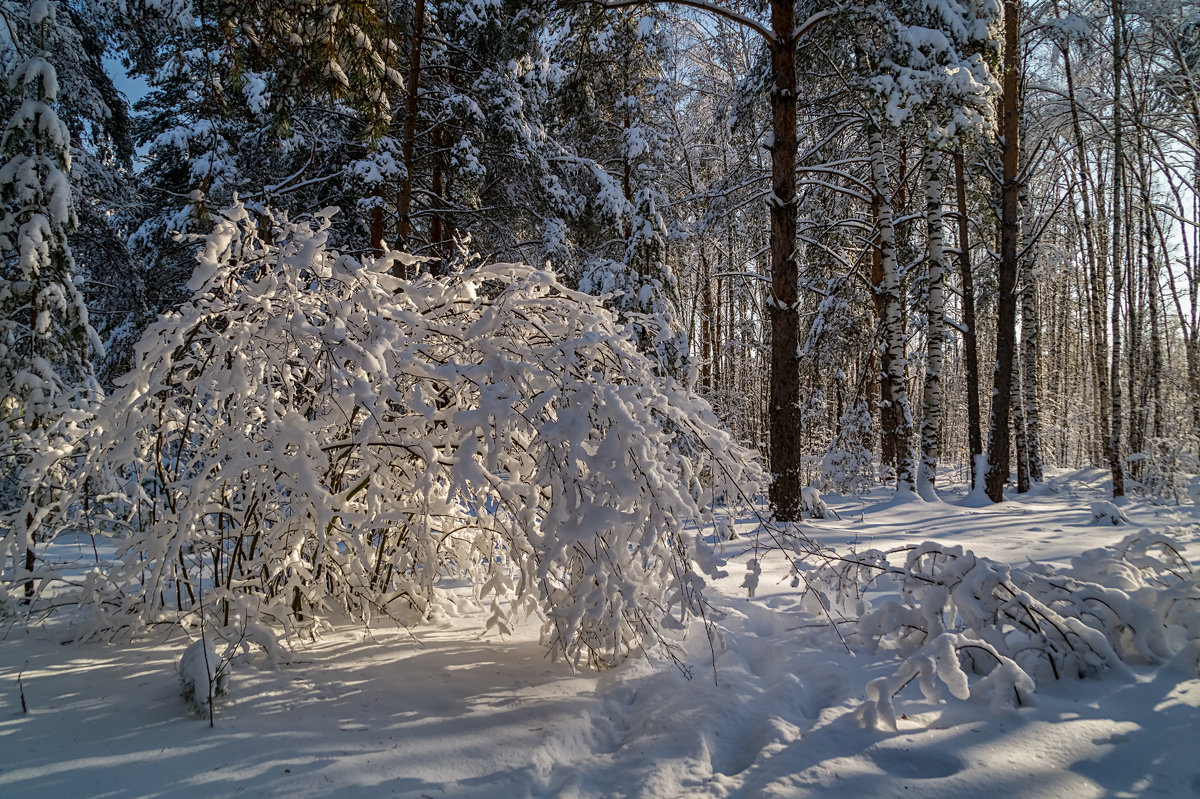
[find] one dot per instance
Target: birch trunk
(1115, 459)
(894, 389)
(931, 398)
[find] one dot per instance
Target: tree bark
(970, 337)
(894, 389)
(880, 362)
(785, 422)
(1115, 458)
(30, 557)
(931, 399)
(1030, 354)
(1153, 293)
(1006, 301)
(1020, 441)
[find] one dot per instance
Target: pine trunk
(970, 338)
(1006, 301)
(1030, 355)
(1020, 440)
(785, 422)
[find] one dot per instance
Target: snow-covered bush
(310, 435)
(203, 673)
(1104, 512)
(949, 613)
(1171, 468)
(812, 504)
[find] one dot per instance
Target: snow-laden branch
(701, 5)
(772, 37)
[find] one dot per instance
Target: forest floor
(441, 711)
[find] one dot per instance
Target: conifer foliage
(45, 341)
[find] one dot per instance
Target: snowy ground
(442, 712)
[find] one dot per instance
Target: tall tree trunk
(1006, 301)
(784, 310)
(1096, 268)
(377, 230)
(1030, 378)
(894, 389)
(880, 362)
(408, 144)
(931, 398)
(437, 188)
(1154, 293)
(706, 325)
(30, 557)
(970, 336)
(1020, 439)
(1115, 462)
(1030, 355)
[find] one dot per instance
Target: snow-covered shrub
(848, 466)
(812, 504)
(1104, 512)
(203, 673)
(1171, 468)
(949, 613)
(310, 435)
(940, 663)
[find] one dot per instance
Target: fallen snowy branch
(949, 613)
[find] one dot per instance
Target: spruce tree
(45, 340)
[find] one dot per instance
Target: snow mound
(204, 675)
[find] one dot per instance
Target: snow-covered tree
(46, 343)
(927, 74)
